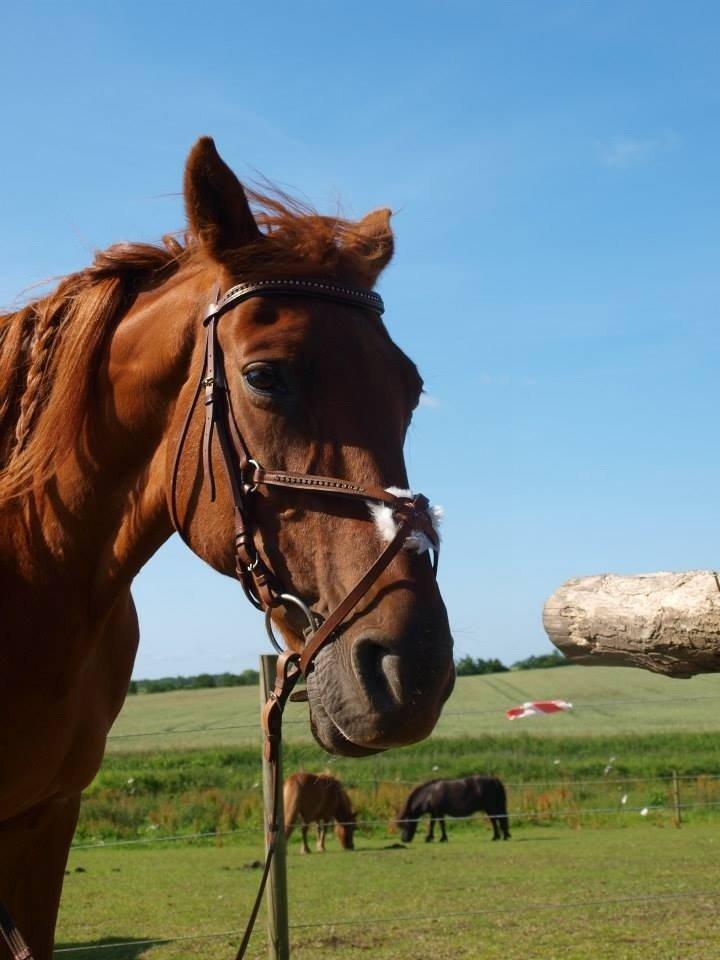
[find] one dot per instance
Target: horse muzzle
(368, 694)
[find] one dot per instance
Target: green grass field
(189, 761)
(586, 874)
(557, 894)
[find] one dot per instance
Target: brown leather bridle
(245, 476)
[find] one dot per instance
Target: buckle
(249, 488)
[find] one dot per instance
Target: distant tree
(249, 678)
(542, 661)
(203, 681)
(468, 667)
(157, 686)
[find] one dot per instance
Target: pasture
(189, 761)
(583, 867)
(555, 894)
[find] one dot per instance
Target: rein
(245, 476)
(19, 950)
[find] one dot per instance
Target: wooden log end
(668, 623)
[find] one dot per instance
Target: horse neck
(414, 805)
(102, 512)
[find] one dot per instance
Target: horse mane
(297, 241)
(406, 811)
(52, 348)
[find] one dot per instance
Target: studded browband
(318, 289)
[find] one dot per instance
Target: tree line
(465, 666)
(203, 681)
(468, 667)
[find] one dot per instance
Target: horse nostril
(378, 671)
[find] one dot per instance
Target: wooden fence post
(676, 798)
(276, 895)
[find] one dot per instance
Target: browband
(353, 296)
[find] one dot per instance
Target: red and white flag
(536, 707)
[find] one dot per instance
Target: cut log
(665, 622)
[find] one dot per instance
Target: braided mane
(50, 349)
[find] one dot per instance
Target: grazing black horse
(455, 798)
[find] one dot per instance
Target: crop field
(596, 856)
(607, 700)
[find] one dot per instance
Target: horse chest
(68, 683)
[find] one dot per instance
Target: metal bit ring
(292, 600)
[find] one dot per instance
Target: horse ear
(372, 238)
(217, 209)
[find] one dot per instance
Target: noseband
(245, 475)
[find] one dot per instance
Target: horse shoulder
(81, 670)
(436, 795)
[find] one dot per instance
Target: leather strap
(318, 484)
(325, 632)
(317, 289)
(12, 936)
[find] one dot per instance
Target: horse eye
(265, 378)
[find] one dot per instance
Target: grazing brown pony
(97, 380)
(321, 799)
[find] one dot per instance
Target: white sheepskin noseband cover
(387, 526)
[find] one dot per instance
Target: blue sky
(554, 169)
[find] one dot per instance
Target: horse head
(408, 829)
(314, 387)
(345, 831)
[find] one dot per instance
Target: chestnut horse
(321, 799)
(97, 381)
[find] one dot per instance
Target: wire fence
(541, 815)
(539, 800)
(364, 921)
(582, 793)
